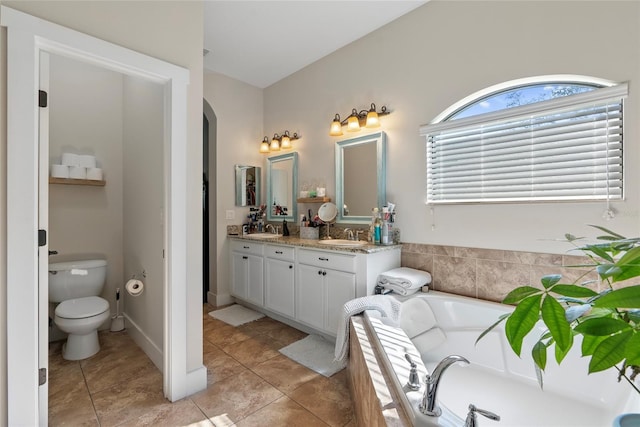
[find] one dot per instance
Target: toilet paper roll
(134, 287)
(94, 174)
(87, 160)
(70, 159)
(60, 171)
(77, 172)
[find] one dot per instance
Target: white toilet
(76, 286)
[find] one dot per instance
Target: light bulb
(275, 144)
(264, 145)
(353, 124)
(336, 126)
(285, 142)
(372, 119)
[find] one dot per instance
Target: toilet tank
(76, 279)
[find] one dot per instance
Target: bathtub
(434, 325)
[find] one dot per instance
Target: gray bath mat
(236, 315)
(315, 353)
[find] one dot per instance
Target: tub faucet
(429, 405)
(472, 419)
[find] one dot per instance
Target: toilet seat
(82, 308)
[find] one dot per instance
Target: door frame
(27, 36)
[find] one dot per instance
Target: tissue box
(310, 233)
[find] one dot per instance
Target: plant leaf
(629, 265)
(608, 270)
(601, 326)
(634, 315)
(539, 354)
(589, 344)
(573, 291)
(518, 294)
(550, 280)
(561, 353)
(486, 331)
(632, 350)
(609, 232)
(576, 311)
(554, 317)
(599, 251)
(521, 321)
(609, 352)
(620, 298)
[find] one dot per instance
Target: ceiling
(261, 42)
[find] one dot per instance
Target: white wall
(434, 56)
(143, 194)
(85, 116)
(238, 108)
(168, 30)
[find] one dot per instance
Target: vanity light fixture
(367, 118)
(278, 142)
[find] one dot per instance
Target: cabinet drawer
(328, 260)
(247, 247)
(285, 253)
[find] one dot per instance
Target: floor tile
(286, 335)
(282, 412)
(69, 401)
(130, 399)
(181, 413)
(327, 398)
(234, 398)
(253, 351)
(223, 335)
(220, 366)
(283, 373)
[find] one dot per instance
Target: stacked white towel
(388, 306)
(404, 280)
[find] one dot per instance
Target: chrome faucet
(273, 230)
(349, 233)
(472, 418)
(429, 405)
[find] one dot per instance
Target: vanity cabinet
(304, 286)
(280, 279)
(322, 291)
(247, 280)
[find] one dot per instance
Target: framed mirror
(248, 185)
(360, 177)
(282, 187)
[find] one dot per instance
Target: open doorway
(27, 247)
(209, 205)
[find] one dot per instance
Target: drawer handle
(319, 272)
(324, 273)
(246, 247)
(323, 259)
(245, 257)
(279, 252)
(290, 267)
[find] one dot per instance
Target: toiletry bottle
(372, 226)
(384, 232)
(377, 232)
(285, 229)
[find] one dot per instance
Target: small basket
(312, 233)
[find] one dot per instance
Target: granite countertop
(310, 243)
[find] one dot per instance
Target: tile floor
(249, 383)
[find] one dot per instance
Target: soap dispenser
(285, 229)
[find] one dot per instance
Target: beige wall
(143, 196)
(429, 59)
(85, 117)
(238, 108)
(171, 31)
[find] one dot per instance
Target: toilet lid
(79, 308)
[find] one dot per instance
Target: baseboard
(145, 343)
(196, 380)
(219, 300)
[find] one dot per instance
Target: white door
(340, 287)
(309, 293)
(43, 251)
(239, 273)
(255, 280)
(279, 286)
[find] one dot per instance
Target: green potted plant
(608, 321)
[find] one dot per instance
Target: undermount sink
(260, 236)
(627, 420)
(342, 242)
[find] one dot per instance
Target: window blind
(568, 148)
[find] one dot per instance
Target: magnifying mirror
(327, 213)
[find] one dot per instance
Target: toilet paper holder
(143, 274)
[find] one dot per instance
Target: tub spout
(429, 405)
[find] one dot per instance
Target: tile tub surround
(490, 274)
(249, 383)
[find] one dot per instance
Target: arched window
(536, 139)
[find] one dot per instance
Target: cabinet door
(240, 274)
(255, 280)
(278, 284)
(310, 296)
(340, 287)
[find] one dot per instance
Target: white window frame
(608, 93)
